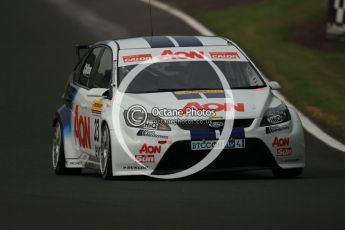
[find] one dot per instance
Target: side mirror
(274, 85)
(97, 92)
(78, 48)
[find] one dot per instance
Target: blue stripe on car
(211, 134)
(65, 115)
(202, 134)
(187, 41)
(65, 111)
(237, 133)
(159, 42)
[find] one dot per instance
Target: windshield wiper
(250, 87)
(172, 90)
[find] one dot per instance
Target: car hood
(249, 103)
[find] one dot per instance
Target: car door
(81, 119)
(101, 79)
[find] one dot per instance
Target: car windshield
(190, 75)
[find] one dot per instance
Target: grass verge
(313, 79)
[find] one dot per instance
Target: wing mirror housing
(100, 93)
(78, 49)
(274, 85)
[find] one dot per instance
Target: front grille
(179, 157)
(196, 125)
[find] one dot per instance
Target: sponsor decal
(215, 144)
(216, 124)
(147, 153)
(169, 54)
(224, 55)
(154, 149)
(74, 162)
(198, 91)
(198, 94)
(137, 58)
(273, 129)
(145, 158)
(134, 167)
(280, 142)
(275, 117)
(282, 152)
(97, 106)
(162, 142)
(87, 69)
(82, 129)
(149, 133)
(150, 125)
(216, 107)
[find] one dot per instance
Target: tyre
(105, 160)
(287, 173)
(58, 153)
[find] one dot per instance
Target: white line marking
(93, 23)
(310, 126)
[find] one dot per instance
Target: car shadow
(201, 176)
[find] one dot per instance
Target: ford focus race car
(171, 106)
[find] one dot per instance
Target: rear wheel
(287, 173)
(105, 161)
(58, 153)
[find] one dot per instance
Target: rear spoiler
(79, 48)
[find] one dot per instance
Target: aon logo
(82, 129)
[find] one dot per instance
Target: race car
(160, 105)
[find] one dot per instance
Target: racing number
(239, 144)
(96, 136)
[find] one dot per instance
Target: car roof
(170, 41)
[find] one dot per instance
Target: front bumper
(180, 157)
(260, 151)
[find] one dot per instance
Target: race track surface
(37, 54)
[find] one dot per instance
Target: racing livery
(156, 106)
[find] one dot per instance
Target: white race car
(160, 106)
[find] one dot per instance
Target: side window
(101, 76)
(78, 68)
(89, 66)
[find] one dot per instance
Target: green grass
(312, 79)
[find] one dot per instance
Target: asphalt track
(36, 56)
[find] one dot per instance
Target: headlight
(274, 116)
(145, 121)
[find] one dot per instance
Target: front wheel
(287, 173)
(105, 161)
